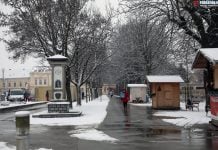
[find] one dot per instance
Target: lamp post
(3, 77)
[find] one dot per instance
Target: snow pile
(91, 134)
(186, 118)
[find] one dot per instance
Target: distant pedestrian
(125, 98)
(206, 109)
(111, 93)
(47, 95)
(189, 104)
(25, 95)
(83, 95)
(8, 94)
(146, 98)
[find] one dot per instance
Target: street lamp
(3, 77)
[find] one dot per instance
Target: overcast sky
(17, 69)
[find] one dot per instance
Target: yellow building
(40, 82)
(14, 83)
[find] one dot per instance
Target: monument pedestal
(58, 107)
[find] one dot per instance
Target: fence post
(22, 130)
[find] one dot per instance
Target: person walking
(47, 95)
(125, 99)
(111, 93)
(25, 95)
(8, 94)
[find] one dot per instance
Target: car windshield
(16, 92)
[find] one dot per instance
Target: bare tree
(90, 49)
(143, 45)
(198, 22)
(44, 28)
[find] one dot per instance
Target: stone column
(22, 130)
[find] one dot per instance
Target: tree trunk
(78, 91)
(86, 93)
(91, 93)
(68, 79)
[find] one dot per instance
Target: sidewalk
(16, 106)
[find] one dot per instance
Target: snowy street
(103, 125)
(109, 75)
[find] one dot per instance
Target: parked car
(16, 95)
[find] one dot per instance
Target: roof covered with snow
(137, 85)
(205, 55)
(164, 79)
(57, 57)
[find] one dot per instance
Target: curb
(14, 108)
(58, 115)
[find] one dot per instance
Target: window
(9, 84)
(35, 81)
(15, 84)
(21, 84)
(45, 81)
(40, 81)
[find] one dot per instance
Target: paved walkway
(139, 129)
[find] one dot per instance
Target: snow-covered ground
(183, 117)
(94, 112)
(186, 118)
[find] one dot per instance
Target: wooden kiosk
(207, 59)
(165, 91)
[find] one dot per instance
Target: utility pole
(3, 77)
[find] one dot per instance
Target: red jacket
(126, 97)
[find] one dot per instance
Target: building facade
(14, 83)
(40, 82)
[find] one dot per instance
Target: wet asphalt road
(136, 130)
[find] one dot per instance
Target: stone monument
(58, 101)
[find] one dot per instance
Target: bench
(195, 104)
(138, 100)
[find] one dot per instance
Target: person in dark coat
(26, 96)
(47, 96)
(189, 104)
